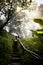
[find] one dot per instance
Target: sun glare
(18, 9)
(28, 22)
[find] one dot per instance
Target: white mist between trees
(28, 23)
(26, 17)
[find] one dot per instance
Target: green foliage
(27, 59)
(28, 43)
(37, 34)
(33, 44)
(5, 47)
(34, 32)
(40, 21)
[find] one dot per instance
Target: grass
(5, 47)
(33, 44)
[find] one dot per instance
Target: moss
(5, 47)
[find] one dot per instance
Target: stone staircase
(15, 60)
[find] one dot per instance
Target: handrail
(31, 52)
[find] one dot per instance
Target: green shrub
(33, 44)
(5, 47)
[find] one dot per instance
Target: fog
(24, 22)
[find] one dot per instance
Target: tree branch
(6, 21)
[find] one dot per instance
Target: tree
(8, 13)
(9, 7)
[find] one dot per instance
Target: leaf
(40, 21)
(34, 32)
(37, 34)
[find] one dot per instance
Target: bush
(35, 45)
(5, 47)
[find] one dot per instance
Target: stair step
(15, 55)
(15, 52)
(15, 59)
(15, 64)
